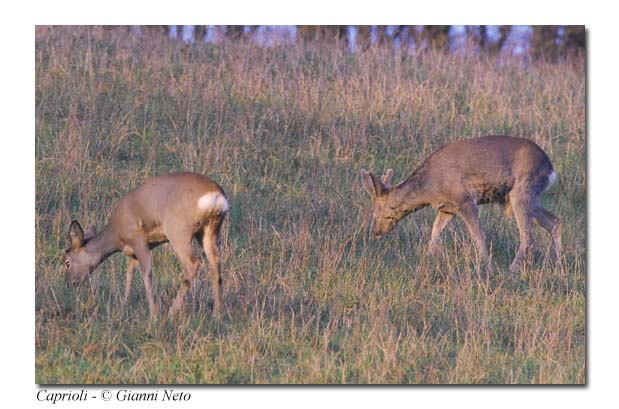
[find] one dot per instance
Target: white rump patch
(552, 178)
(213, 201)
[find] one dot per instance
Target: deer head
(384, 215)
(78, 262)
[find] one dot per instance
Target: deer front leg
(440, 222)
(142, 252)
(132, 263)
(470, 214)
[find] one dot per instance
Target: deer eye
(67, 264)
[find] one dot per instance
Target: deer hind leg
(143, 254)
(210, 243)
(184, 252)
(440, 222)
(553, 225)
(470, 214)
(521, 207)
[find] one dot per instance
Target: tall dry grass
(309, 297)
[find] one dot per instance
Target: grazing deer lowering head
(456, 178)
(174, 208)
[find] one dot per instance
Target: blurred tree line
(550, 42)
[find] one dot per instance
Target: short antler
(386, 178)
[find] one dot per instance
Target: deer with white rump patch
(174, 208)
(457, 178)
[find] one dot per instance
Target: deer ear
(366, 178)
(386, 179)
(76, 235)
(90, 233)
(371, 184)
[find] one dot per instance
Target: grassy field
(309, 296)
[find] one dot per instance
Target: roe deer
(456, 178)
(174, 208)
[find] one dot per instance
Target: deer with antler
(455, 179)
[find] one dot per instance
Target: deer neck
(102, 245)
(410, 195)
